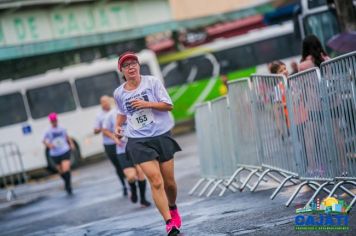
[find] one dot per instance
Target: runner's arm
(97, 125)
(70, 142)
(111, 135)
(120, 120)
(48, 144)
(160, 106)
(108, 134)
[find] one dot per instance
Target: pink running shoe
(176, 217)
(172, 228)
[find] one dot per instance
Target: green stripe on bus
(239, 74)
(184, 102)
(172, 90)
(182, 55)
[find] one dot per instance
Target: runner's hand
(117, 141)
(140, 104)
(118, 132)
(50, 146)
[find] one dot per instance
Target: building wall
(188, 9)
(36, 25)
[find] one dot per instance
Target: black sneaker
(69, 191)
(145, 203)
(133, 197)
(125, 192)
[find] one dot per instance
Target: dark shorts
(125, 161)
(110, 150)
(160, 148)
(60, 158)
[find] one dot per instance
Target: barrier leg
(206, 187)
(274, 194)
(351, 204)
(278, 180)
(231, 188)
(248, 179)
(231, 180)
(235, 185)
(249, 186)
(351, 194)
(217, 183)
(332, 192)
(238, 187)
(298, 189)
(335, 188)
(317, 192)
(196, 186)
(260, 179)
(286, 175)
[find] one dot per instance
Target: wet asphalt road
(98, 207)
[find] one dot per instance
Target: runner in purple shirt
(133, 173)
(109, 144)
(59, 144)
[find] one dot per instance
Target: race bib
(141, 118)
(59, 142)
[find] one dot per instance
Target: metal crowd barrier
(311, 133)
(339, 75)
(220, 116)
(204, 131)
(244, 134)
(215, 145)
(303, 128)
(272, 125)
(12, 170)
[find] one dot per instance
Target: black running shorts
(125, 161)
(160, 148)
(60, 158)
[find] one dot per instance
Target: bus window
(276, 48)
(316, 3)
(12, 109)
(53, 98)
(324, 25)
(175, 75)
(145, 70)
(236, 58)
(91, 88)
(187, 70)
(201, 68)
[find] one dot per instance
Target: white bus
(73, 93)
(192, 76)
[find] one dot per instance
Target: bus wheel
(75, 159)
(51, 166)
(75, 156)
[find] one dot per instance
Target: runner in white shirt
(59, 144)
(109, 144)
(145, 104)
(133, 173)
